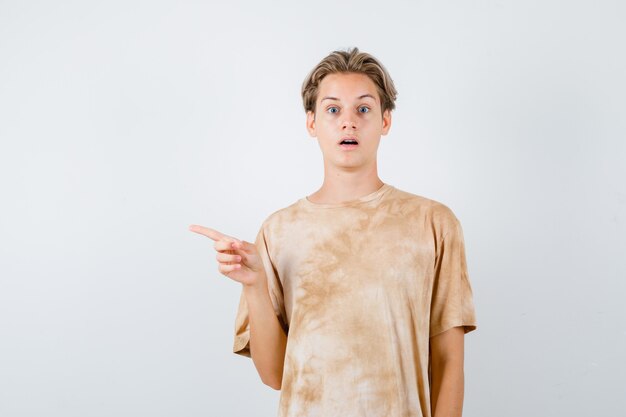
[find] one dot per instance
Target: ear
(310, 123)
(386, 122)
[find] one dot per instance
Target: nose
(348, 122)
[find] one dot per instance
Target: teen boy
(355, 299)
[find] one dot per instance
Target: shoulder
(436, 214)
(281, 217)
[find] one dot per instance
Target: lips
(349, 140)
(348, 143)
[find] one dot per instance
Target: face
(348, 104)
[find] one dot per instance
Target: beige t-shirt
(359, 288)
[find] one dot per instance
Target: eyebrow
(359, 97)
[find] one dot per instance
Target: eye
(365, 107)
(333, 107)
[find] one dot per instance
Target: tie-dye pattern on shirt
(359, 288)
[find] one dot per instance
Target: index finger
(208, 232)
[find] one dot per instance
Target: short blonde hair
(350, 60)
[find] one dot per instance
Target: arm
(267, 338)
(241, 261)
(446, 393)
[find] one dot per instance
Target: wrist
(260, 283)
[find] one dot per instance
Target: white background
(122, 122)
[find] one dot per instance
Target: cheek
(328, 128)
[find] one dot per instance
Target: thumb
(243, 245)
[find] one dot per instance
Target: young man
(355, 299)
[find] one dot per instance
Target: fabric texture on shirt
(359, 288)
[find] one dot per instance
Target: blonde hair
(350, 60)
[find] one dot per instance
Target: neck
(343, 185)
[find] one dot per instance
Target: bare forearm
(446, 397)
(267, 338)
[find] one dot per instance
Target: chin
(350, 164)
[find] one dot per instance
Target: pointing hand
(237, 259)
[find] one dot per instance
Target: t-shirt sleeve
(452, 301)
(241, 344)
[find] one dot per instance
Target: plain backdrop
(123, 122)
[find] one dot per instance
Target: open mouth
(348, 144)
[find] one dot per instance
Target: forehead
(347, 86)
